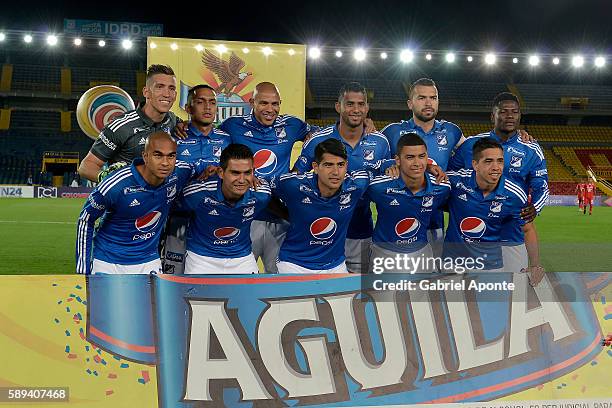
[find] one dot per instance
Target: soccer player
(124, 138)
(580, 194)
(321, 204)
(589, 197)
(440, 136)
(365, 152)
(222, 210)
(524, 164)
(483, 203)
(405, 206)
(270, 136)
(203, 142)
(134, 203)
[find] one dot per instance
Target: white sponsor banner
(14, 191)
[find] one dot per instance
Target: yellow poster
(233, 69)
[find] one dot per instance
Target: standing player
(524, 164)
(124, 138)
(270, 137)
(134, 203)
(321, 204)
(365, 152)
(222, 210)
(482, 204)
(580, 194)
(203, 142)
(440, 136)
(589, 196)
(405, 207)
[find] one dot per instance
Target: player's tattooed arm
(276, 207)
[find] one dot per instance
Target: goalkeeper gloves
(110, 169)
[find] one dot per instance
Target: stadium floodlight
(384, 55)
(600, 61)
(339, 54)
(534, 60)
(470, 58)
(315, 52)
(221, 48)
(174, 46)
(127, 44)
(199, 47)
(77, 41)
(52, 40)
(359, 54)
(291, 51)
(406, 56)
(2, 36)
(266, 51)
(101, 43)
(578, 61)
(450, 57)
(245, 50)
(428, 57)
(515, 60)
(490, 59)
(27, 38)
(556, 61)
(153, 45)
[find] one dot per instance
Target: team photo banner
(233, 69)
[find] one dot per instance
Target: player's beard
(423, 118)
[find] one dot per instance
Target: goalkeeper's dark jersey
(123, 139)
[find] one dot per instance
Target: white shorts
(289, 267)
(357, 253)
(198, 264)
(515, 258)
(151, 267)
(421, 259)
(267, 238)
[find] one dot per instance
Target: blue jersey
(441, 141)
(524, 163)
(199, 146)
(403, 217)
(218, 228)
(134, 214)
(318, 225)
(368, 154)
(476, 222)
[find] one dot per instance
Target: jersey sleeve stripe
(116, 127)
(117, 123)
(113, 179)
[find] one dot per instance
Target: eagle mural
(228, 72)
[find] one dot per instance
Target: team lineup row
(507, 167)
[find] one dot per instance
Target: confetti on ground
(69, 300)
(78, 298)
(610, 353)
(72, 295)
(608, 309)
(97, 359)
(559, 387)
(608, 316)
(82, 335)
(142, 381)
(117, 358)
(67, 333)
(564, 385)
(593, 363)
(109, 392)
(56, 320)
(67, 309)
(603, 300)
(145, 375)
(72, 356)
(124, 365)
(540, 387)
(54, 284)
(103, 361)
(87, 359)
(86, 348)
(78, 287)
(574, 377)
(112, 376)
(67, 349)
(88, 371)
(95, 373)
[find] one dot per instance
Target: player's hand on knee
(535, 273)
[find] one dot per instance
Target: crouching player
(321, 204)
(134, 203)
(222, 210)
(405, 207)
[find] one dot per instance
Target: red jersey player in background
(589, 197)
(580, 194)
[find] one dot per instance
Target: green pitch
(37, 236)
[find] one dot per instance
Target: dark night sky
(518, 26)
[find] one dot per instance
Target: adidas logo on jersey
(248, 133)
(142, 141)
(185, 153)
(134, 203)
(463, 197)
(394, 202)
(307, 201)
(213, 212)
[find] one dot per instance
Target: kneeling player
(134, 203)
(222, 210)
(405, 207)
(321, 204)
(482, 203)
